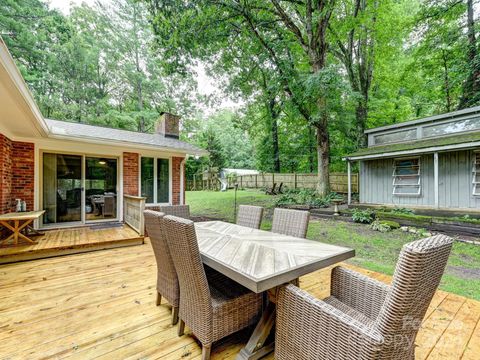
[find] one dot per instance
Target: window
(397, 136)
(406, 177)
(452, 127)
(155, 180)
(476, 174)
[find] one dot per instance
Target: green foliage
(403, 211)
(391, 224)
(307, 197)
(363, 216)
(378, 225)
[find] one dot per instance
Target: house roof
(21, 118)
(452, 142)
(78, 131)
(446, 116)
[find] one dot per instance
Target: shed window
(406, 177)
(476, 174)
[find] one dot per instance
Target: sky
(206, 85)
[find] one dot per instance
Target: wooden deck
(70, 241)
(101, 305)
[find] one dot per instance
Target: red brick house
(80, 173)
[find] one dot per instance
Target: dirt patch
(464, 273)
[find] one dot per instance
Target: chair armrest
(358, 291)
(309, 326)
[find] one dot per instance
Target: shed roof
(457, 141)
(70, 130)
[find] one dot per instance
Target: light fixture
(102, 162)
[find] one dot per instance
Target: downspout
(182, 181)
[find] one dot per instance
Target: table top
(26, 215)
(261, 260)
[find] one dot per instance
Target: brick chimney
(168, 125)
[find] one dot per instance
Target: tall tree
(292, 34)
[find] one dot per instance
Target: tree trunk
(141, 123)
(446, 81)
(274, 129)
(311, 149)
(361, 113)
(471, 87)
(323, 151)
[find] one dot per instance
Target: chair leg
(159, 299)
(174, 315)
(181, 327)
(206, 352)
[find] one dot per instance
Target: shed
(431, 163)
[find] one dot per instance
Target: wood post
(349, 174)
(435, 179)
(256, 182)
(294, 180)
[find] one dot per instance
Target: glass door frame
(83, 220)
(155, 179)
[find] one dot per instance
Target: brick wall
(176, 164)
(130, 173)
(23, 177)
(5, 174)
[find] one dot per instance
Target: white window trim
(475, 185)
(417, 185)
(155, 177)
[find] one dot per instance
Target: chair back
(418, 273)
(250, 216)
(195, 303)
(167, 280)
(182, 211)
(290, 222)
(108, 205)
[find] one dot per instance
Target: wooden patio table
(262, 261)
(17, 221)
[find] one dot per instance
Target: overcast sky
(206, 84)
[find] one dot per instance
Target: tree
(292, 34)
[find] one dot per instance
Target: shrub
(404, 211)
(363, 216)
(391, 224)
(378, 225)
(304, 197)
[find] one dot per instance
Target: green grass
(374, 250)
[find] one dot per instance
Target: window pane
(162, 181)
(147, 178)
(398, 136)
(406, 177)
(100, 188)
(452, 127)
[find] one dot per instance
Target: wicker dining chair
(290, 222)
(182, 211)
(363, 318)
(167, 280)
(250, 216)
(212, 307)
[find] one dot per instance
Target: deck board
(101, 305)
(70, 241)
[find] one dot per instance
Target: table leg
(256, 348)
(16, 230)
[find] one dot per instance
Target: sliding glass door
(155, 180)
(62, 188)
(100, 188)
(78, 189)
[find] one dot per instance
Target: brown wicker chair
(250, 216)
(167, 280)
(290, 222)
(363, 318)
(212, 308)
(182, 211)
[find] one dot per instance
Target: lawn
(374, 250)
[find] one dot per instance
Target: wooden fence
(338, 182)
